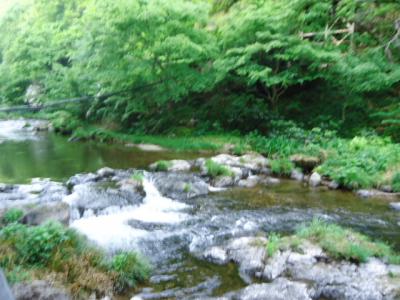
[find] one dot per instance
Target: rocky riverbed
(205, 235)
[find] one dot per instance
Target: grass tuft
(215, 169)
(282, 166)
(346, 244)
(273, 244)
(163, 165)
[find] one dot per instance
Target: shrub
(52, 250)
(396, 182)
(12, 215)
(64, 122)
(282, 166)
(214, 169)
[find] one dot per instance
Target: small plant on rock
(215, 169)
(138, 176)
(273, 244)
(163, 165)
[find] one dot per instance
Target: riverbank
(361, 162)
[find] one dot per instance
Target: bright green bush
(50, 249)
(12, 215)
(214, 169)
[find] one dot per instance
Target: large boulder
(280, 289)
(96, 198)
(179, 186)
(395, 205)
(39, 214)
(315, 179)
(175, 165)
(5, 292)
(249, 253)
(39, 290)
(32, 94)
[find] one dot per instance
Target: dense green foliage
(362, 162)
(38, 252)
(184, 66)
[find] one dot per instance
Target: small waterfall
(113, 232)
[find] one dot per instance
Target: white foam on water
(113, 232)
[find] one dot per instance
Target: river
(172, 233)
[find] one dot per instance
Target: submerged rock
(376, 193)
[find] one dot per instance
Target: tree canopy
(211, 65)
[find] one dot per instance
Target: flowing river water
(173, 233)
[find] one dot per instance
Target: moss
(214, 169)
